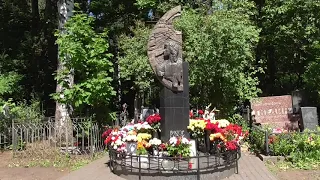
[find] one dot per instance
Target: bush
(19, 112)
(302, 150)
(239, 120)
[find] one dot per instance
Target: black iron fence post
(198, 167)
(139, 167)
(266, 142)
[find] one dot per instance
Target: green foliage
(220, 50)
(145, 3)
(312, 74)
(289, 30)
(9, 83)
(182, 150)
(257, 140)
(239, 120)
(84, 51)
(300, 149)
(134, 61)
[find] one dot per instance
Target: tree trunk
(63, 111)
(34, 60)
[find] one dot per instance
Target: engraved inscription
(177, 133)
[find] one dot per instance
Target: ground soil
(26, 173)
(298, 175)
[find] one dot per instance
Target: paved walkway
(250, 168)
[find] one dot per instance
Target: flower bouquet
(154, 122)
(196, 129)
(142, 150)
(155, 143)
(143, 127)
(131, 136)
(143, 136)
(178, 147)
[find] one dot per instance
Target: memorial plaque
(273, 110)
(309, 118)
(131, 147)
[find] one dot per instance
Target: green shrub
(301, 149)
(239, 120)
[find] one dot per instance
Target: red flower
(152, 119)
(178, 142)
(231, 145)
(190, 114)
(107, 140)
(214, 128)
(106, 133)
(200, 112)
(190, 165)
(162, 146)
(234, 129)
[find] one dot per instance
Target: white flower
(146, 126)
(138, 126)
(130, 138)
(118, 142)
(155, 141)
(185, 141)
(173, 140)
(113, 138)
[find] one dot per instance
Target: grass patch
(286, 165)
(69, 162)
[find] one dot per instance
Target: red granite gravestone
(275, 111)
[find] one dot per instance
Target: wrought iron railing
(202, 163)
(78, 136)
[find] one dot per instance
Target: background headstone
(273, 110)
(309, 118)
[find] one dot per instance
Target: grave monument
(309, 118)
(165, 57)
(274, 110)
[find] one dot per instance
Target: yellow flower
(143, 136)
(217, 136)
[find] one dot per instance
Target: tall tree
(290, 28)
(63, 110)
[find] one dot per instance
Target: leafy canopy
(84, 53)
(220, 50)
(134, 61)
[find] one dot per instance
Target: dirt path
(298, 175)
(33, 173)
(21, 173)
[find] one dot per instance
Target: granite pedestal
(174, 109)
